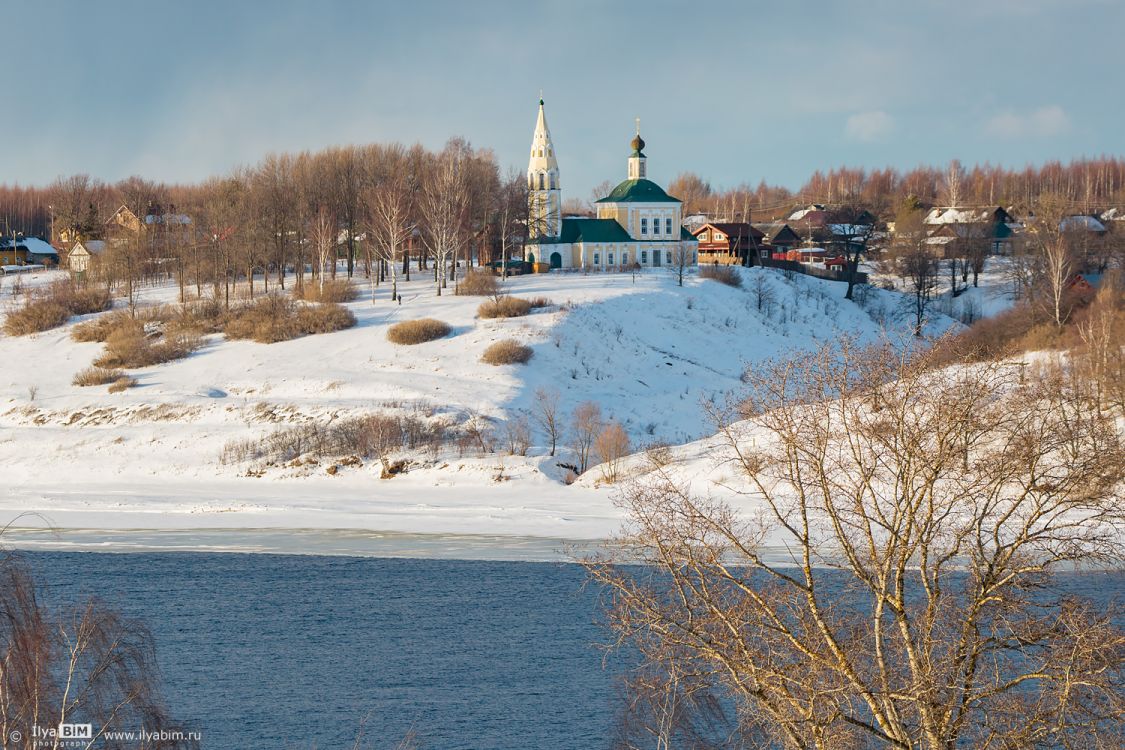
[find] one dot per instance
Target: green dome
(638, 191)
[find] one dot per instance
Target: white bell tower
(544, 194)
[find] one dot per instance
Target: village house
(16, 251)
(83, 257)
(957, 230)
(730, 243)
(778, 236)
(637, 224)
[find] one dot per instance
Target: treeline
(377, 207)
(1089, 185)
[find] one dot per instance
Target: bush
(96, 376)
(478, 284)
(35, 316)
(277, 318)
(333, 290)
(54, 306)
(130, 346)
(121, 384)
(538, 302)
(507, 352)
(98, 329)
(504, 307)
(728, 275)
(417, 331)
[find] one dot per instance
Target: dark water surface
(294, 651)
(277, 651)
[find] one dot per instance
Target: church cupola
(637, 158)
(544, 192)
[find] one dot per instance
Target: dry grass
(122, 383)
(506, 352)
(277, 318)
(478, 284)
(98, 329)
(54, 306)
(504, 307)
(96, 376)
(334, 290)
(728, 275)
(539, 302)
(35, 316)
(129, 345)
(417, 331)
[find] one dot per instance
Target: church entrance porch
(556, 260)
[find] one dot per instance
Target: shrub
(96, 376)
(728, 275)
(506, 352)
(478, 284)
(538, 302)
(325, 318)
(121, 384)
(277, 318)
(333, 290)
(417, 331)
(54, 306)
(202, 316)
(130, 346)
(504, 307)
(35, 316)
(98, 329)
(610, 446)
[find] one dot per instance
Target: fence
(835, 273)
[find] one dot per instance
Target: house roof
(91, 246)
(638, 191)
(733, 229)
(592, 230)
(774, 229)
(967, 215)
(33, 245)
(1081, 224)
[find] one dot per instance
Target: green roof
(593, 230)
(638, 191)
(686, 235)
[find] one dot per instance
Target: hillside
(649, 352)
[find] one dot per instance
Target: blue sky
(735, 91)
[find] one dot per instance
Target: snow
(649, 352)
(34, 245)
(1081, 223)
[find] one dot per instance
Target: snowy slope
(649, 351)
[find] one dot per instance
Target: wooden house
(729, 243)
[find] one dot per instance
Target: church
(637, 223)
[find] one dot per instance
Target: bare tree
(443, 203)
(90, 666)
(610, 446)
(391, 223)
(585, 424)
(546, 414)
(884, 576)
(323, 236)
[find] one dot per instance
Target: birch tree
(444, 203)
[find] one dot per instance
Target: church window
(625, 259)
(668, 226)
(540, 180)
(667, 256)
(610, 259)
(644, 256)
(597, 259)
(644, 226)
(553, 184)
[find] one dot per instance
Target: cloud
(1041, 123)
(869, 126)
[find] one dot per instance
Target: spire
(543, 180)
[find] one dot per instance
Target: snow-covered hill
(648, 351)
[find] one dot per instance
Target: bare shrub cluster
(417, 331)
(477, 283)
(728, 275)
(507, 352)
(368, 436)
(329, 290)
(130, 345)
(504, 306)
(54, 306)
(96, 376)
(924, 517)
(278, 318)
